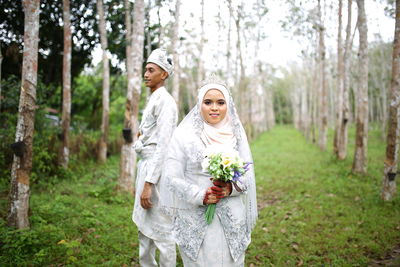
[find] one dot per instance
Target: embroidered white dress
(225, 240)
(158, 123)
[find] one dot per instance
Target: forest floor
(312, 212)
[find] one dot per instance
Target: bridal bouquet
(226, 166)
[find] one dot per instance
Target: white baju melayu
(158, 123)
(225, 240)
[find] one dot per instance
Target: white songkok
(162, 59)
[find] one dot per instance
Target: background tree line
(96, 109)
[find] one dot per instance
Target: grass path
(313, 212)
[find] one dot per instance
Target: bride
(213, 122)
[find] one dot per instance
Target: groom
(155, 130)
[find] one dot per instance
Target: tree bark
(392, 147)
(343, 129)
(175, 47)
(66, 107)
(323, 112)
(339, 92)
(128, 36)
(1, 60)
(303, 110)
(228, 48)
(126, 179)
(102, 156)
(360, 152)
(200, 70)
(269, 98)
(22, 162)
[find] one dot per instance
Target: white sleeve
(174, 172)
(167, 116)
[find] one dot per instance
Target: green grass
(78, 222)
(313, 212)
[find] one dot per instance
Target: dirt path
(392, 259)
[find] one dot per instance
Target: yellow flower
(227, 161)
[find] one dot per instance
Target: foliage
(281, 88)
(45, 132)
(390, 8)
(83, 20)
(380, 72)
(313, 212)
(72, 223)
(85, 37)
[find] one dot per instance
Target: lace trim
(189, 231)
(236, 232)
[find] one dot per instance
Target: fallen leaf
(300, 262)
(295, 246)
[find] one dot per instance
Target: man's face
(154, 76)
(213, 107)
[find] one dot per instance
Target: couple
(172, 190)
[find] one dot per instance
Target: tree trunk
(175, 46)
(228, 48)
(295, 95)
(270, 108)
(384, 105)
(360, 152)
(22, 162)
(339, 93)
(126, 179)
(392, 147)
(102, 156)
(66, 107)
(128, 37)
(1, 60)
(323, 116)
(200, 70)
(343, 135)
(303, 110)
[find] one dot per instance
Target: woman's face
(213, 107)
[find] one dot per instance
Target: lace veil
(193, 123)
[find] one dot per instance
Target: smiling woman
(213, 108)
(212, 125)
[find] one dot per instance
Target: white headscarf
(220, 133)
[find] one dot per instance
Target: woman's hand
(225, 186)
(145, 197)
(213, 195)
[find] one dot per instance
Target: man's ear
(164, 75)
